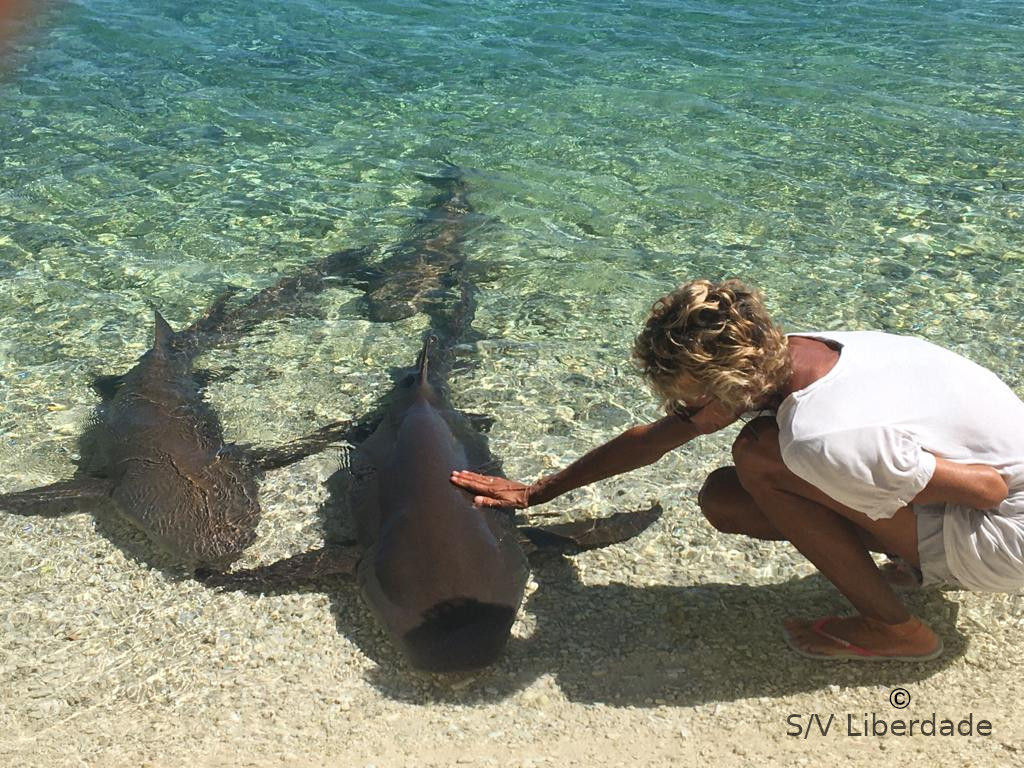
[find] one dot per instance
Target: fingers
(471, 481)
(488, 501)
(464, 475)
(500, 493)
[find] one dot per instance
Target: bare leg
(828, 534)
(730, 509)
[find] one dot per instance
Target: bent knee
(759, 436)
(723, 502)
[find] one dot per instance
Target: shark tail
(223, 323)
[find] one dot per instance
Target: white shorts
(981, 550)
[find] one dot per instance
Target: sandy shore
(664, 650)
(628, 656)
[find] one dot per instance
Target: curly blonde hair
(720, 335)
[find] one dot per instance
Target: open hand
(493, 491)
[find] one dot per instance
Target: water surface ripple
(862, 162)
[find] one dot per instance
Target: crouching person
(868, 442)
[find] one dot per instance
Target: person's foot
(862, 638)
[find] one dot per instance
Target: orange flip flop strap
(819, 628)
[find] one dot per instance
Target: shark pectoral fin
(204, 377)
(329, 560)
(328, 436)
(582, 535)
(58, 498)
(350, 264)
(481, 422)
(107, 386)
(533, 540)
(467, 429)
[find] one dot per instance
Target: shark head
(459, 635)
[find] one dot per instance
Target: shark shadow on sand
(154, 449)
(646, 646)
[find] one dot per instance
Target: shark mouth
(459, 635)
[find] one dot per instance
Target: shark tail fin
(444, 178)
(210, 320)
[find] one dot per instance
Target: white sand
(628, 658)
(662, 651)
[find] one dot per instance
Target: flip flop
(851, 651)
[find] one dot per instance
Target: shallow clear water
(862, 163)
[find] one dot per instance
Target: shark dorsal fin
(163, 334)
(423, 361)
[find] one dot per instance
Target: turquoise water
(862, 163)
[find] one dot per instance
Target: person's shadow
(625, 645)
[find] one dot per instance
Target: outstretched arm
(636, 447)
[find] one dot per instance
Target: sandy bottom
(664, 650)
(619, 657)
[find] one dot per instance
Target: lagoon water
(862, 163)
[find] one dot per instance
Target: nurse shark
(422, 273)
(156, 449)
(444, 578)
